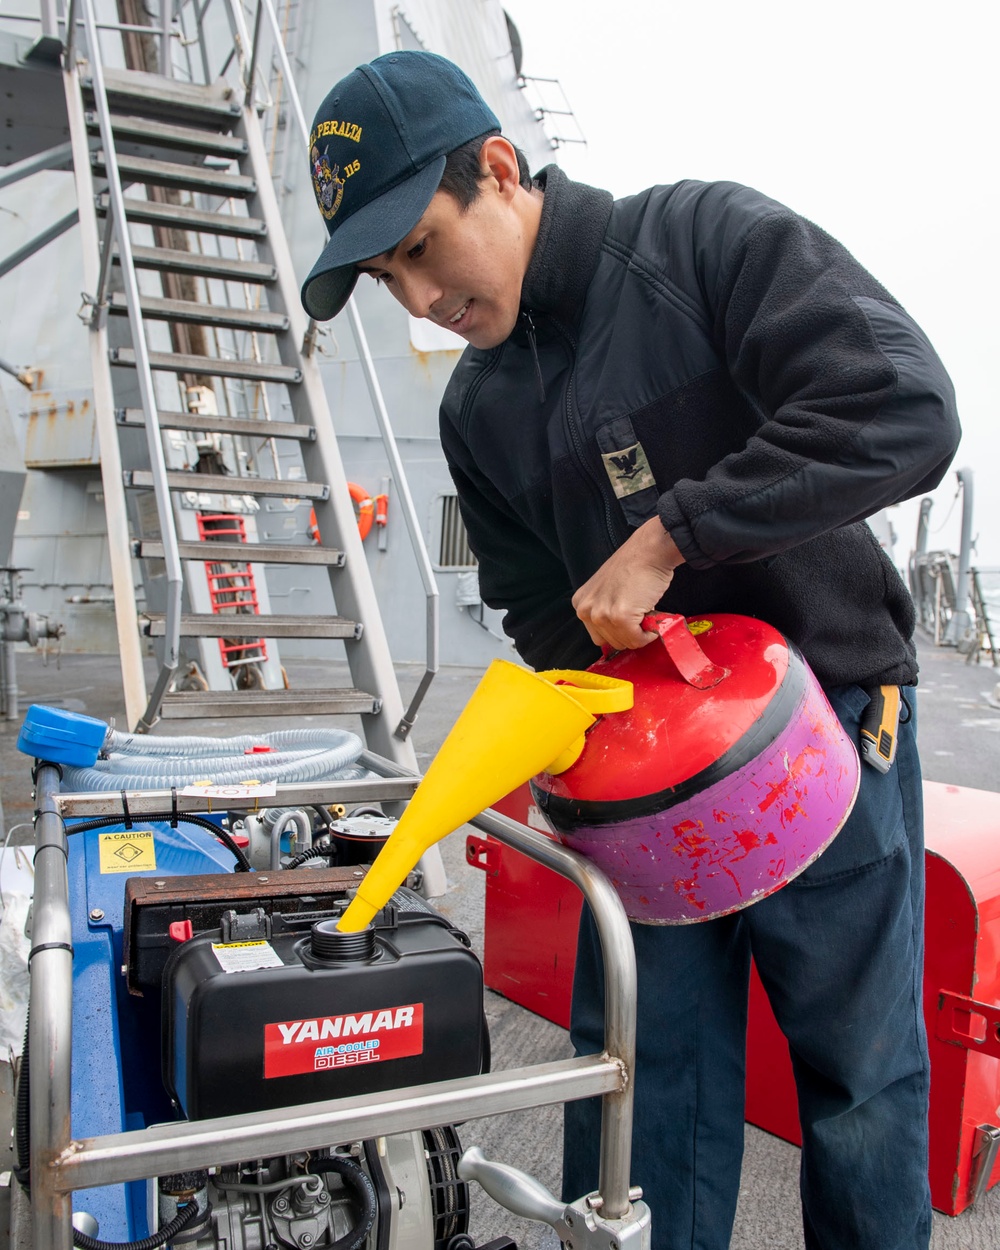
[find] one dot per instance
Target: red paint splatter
(687, 826)
(792, 812)
(797, 766)
(748, 839)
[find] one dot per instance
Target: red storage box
(531, 923)
(532, 915)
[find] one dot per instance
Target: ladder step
(242, 553)
(133, 417)
(156, 96)
(212, 366)
(202, 314)
(169, 174)
(162, 134)
(206, 704)
(206, 483)
(233, 270)
(153, 213)
(249, 625)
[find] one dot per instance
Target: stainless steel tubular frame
(381, 414)
(157, 462)
(619, 994)
(61, 1165)
(50, 1019)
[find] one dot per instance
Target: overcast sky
(875, 118)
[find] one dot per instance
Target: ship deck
(959, 733)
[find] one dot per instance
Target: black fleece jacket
(699, 352)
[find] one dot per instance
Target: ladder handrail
(431, 592)
(157, 460)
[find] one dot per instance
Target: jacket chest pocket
(628, 469)
(680, 435)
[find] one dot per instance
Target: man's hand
(627, 587)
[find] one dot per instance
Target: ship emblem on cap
(327, 184)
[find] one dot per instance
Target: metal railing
(117, 232)
(425, 568)
(985, 587)
(60, 1164)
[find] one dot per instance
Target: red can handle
(684, 649)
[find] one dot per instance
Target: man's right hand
(628, 587)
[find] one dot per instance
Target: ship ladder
(210, 402)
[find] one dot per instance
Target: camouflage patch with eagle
(628, 470)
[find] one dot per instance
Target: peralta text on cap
(377, 151)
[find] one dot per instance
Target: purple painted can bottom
(741, 838)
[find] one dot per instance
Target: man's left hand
(627, 587)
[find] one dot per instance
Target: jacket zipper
(529, 322)
(576, 440)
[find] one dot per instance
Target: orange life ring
(366, 513)
(366, 508)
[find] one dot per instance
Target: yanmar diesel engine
(283, 1016)
(262, 1003)
(223, 1068)
(216, 1066)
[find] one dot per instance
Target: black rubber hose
(359, 1183)
(22, 1173)
(325, 847)
(22, 1121)
(168, 1232)
(102, 822)
(326, 817)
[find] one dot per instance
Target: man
(688, 399)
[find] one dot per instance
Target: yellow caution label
(699, 627)
(127, 852)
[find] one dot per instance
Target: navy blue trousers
(840, 953)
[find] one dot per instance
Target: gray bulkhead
(61, 532)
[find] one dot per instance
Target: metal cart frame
(60, 1164)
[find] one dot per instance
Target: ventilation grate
(454, 551)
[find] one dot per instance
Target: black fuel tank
(294, 1019)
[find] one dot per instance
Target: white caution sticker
(245, 956)
(240, 790)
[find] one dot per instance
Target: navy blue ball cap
(376, 154)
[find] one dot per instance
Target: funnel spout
(515, 725)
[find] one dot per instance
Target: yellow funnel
(516, 724)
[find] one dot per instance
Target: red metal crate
(532, 915)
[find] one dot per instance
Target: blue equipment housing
(116, 1035)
